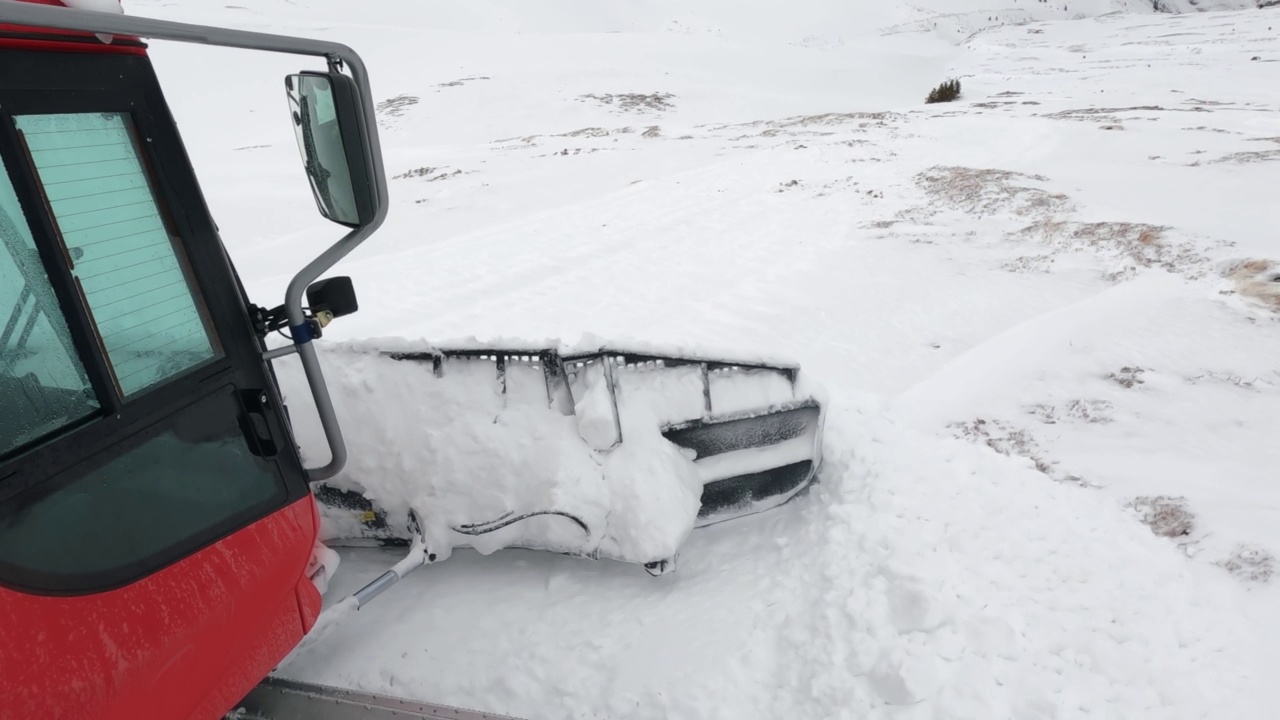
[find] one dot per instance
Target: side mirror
(325, 109)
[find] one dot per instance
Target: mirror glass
(315, 122)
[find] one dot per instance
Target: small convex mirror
(317, 106)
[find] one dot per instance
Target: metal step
(281, 699)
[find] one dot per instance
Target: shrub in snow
(1128, 376)
(1166, 516)
(946, 92)
(1257, 280)
(1250, 564)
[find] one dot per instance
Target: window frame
(74, 349)
(36, 82)
(52, 257)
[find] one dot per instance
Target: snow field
(1033, 311)
(952, 584)
(924, 600)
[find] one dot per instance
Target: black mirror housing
(335, 296)
(326, 114)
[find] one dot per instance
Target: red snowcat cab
(156, 525)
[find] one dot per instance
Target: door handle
(254, 424)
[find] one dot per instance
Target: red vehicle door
(155, 521)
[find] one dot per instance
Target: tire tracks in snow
(532, 268)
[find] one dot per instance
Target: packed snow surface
(1045, 316)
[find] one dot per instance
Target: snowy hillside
(1046, 318)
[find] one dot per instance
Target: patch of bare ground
(860, 119)
(1256, 384)
(1130, 246)
(514, 143)
(775, 132)
(1128, 377)
(1257, 280)
(1206, 128)
(1029, 264)
(633, 102)
(1248, 157)
(599, 132)
(430, 174)
(1170, 517)
(1250, 564)
(987, 191)
(1094, 412)
(1112, 114)
(462, 81)
(396, 106)
(586, 132)
(808, 125)
(1166, 516)
(565, 152)
(849, 184)
(1012, 442)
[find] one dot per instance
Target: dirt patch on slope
(1250, 564)
(987, 191)
(1166, 516)
(1258, 281)
(1130, 246)
(633, 102)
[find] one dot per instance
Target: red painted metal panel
(33, 38)
(185, 643)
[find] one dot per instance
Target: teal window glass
(43, 384)
(130, 270)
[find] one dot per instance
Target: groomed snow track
(280, 699)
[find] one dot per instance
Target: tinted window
(180, 482)
(128, 266)
(43, 385)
